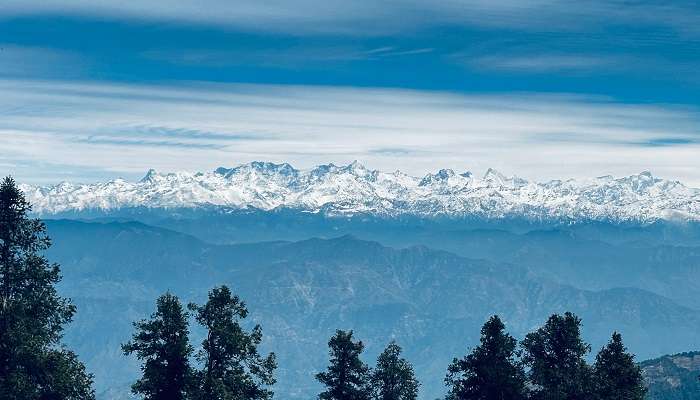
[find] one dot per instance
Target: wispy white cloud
(294, 56)
(126, 129)
(384, 52)
(126, 142)
(525, 58)
(151, 131)
(546, 62)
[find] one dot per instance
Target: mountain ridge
(354, 189)
(673, 376)
(431, 301)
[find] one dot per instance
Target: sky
(95, 90)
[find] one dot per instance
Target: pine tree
(615, 374)
(347, 376)
(33, 363)
(555, 354)
(393, 378)
(233, 367)
(162, 343)
(491, 371)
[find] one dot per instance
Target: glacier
(354, 189)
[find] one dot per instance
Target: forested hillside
(433, 302)
(673, 377)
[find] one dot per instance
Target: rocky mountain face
(354, 189)
(673, 377)
(432, 302)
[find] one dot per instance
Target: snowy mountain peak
(150, 176)
(222, 171)
(442, 176)
(466, 175)
(356, 166)
(493, 174)
(498, 179)
(355, 189)
(495, 177)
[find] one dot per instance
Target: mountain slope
(673, 377)
(354, 189)
(432, 302)
(663, 258)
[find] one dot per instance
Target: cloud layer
(95, 130)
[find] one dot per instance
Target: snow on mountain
(354, 189)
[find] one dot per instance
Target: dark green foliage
(555, 354)
(233, 367)
(615, 374)
(492, 370)
(33, 365)
(64, 377)
(347, 376)
(393, 378)
(162, 343)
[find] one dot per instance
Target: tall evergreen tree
(555, 354)
(491, 371)
(33, 364)
(162, 343)
(393, 377)
(233, 367)
(615, 374)
(347, 377)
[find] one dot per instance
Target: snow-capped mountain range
(354, 189)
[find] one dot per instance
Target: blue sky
(542, 89)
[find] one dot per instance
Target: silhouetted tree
(393, 377)
(491, 371)
(347, 376)
(33, 364)
(555, 354)
(615, 374)
(162, 343)
(233, 367)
